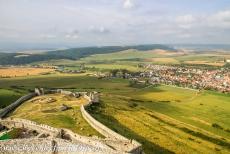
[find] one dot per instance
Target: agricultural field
(163, 118)
(161, 57)
(47, 110)
(19, 71)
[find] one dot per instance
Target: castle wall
(14, 105)
(48, 146)
(108, 133)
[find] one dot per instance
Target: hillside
(72, 54)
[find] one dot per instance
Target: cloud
(99, 30)
(73, 34)
(48, 36)
(128, 4)
(220, 19)
(185, 21)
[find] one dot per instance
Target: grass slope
(8, 96)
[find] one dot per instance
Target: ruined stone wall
(23, 123)
(14, 105)
(49, 146)
(55, 133)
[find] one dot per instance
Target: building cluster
(215, 79)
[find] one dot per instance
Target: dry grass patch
(18, 71)
(163, 60)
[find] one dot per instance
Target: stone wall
(23, 123)
(14, 105)
(55, 133)
(132, 145)
(49, 146)
(100, 127)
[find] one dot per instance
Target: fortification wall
(48, 146)
(22, 123)
(135, 148)
(100, 127)
(53, 132)
(14, 105)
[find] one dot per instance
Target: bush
(215, 125)
(132, 104)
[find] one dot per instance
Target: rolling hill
(72, 54)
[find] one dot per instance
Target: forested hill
(73, 54)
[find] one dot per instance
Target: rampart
(14, 105)
(130, 146)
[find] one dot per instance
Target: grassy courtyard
(47, 110)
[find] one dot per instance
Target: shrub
(215, 125)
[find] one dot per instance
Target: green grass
(156, 118)
(164, 119)
(12, 134)
(8, 96)
(50, 113)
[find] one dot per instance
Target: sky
(114, 22)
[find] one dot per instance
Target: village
(216, 79)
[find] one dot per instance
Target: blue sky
(114, 22)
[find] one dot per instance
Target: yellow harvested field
(162, 60)
(166, 52)
(206, 63)
(18, 71)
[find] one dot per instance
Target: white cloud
(128, 4)
(185, 21)
(48, 36)
(100, 29)
(220, 19)
(73, 34)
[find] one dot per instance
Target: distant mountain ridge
(72, 54)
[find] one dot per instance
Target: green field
(169, 119)
(8, 96)
(164, 119)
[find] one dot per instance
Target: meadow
(164, 119)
